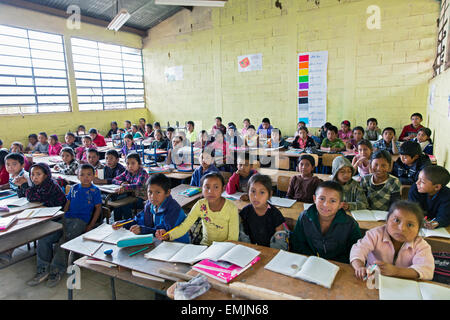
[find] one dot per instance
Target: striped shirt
(382, 195)
(135, 182)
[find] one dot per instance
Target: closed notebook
(234, 196)
(369, 215)
(220, 270)
(189, 192)
(282, 202)
(312, 269)
(401, 289)
(5, 223)
(438, 232)
(189, 253)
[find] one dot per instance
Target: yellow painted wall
(371, 73)
(439, 119)
(16, 127)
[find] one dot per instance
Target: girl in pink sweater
(55, 146)
(396, 248)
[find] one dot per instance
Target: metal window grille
(442, 60)
(107, 76)
(33, 72)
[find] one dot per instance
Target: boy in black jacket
(411, 161)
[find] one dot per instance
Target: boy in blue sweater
(206, 166)
(433, 195)
(82, 210)
(161, 212)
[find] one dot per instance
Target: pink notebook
(221, 270)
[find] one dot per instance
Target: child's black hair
(92, 150)
(388, 128)
(410, 148)
(81, 126)
(93, 130)
(427, 131)
(128, 121)
(54, 136)
(333, 185)
(160, 180)
(246, 119)
(372, 120)
(308, 157)
(416, 114)
(135, 126)
(43, 134)
(265, 180)
(219, 118)
(266, 120)
(70, 134)
(170, 129)
(149, 125)
(303, 128)
(366, 143)
(87, 137)
(142, 119)
(156, 124)
(68, 150)
(129, 136)
(358, 128)
(86, 166)
(191, 123)
(251, 127)
(135, 156)
(18, 144)
(217, 175)
(33, 135)
(407, 206)
(113, 153)
(114, 122)
(381, 154)
(327, 125)
(333, 128)
(437, 174)
(3, 154)
(16, 156)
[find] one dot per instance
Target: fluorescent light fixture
(200, 3)
(119, 20)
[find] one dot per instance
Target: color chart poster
(312, 88)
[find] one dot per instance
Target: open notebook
(438, 232)
(401, 289)
(189, 253)
(105, 233)
(312, 269)
(369, 215)
(38, 213)
(5, 223)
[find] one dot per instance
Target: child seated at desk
(55, 146)
(70, 138)
(303, 140)
(361, 161)
(81, 152)
(239, 181)
(128, 145)
(32, 142)
(396, 247)
(148, 130)
(388, 141)
(42, 145)
(4, 175)
(251, 139)
(233, 138)
(69, 165)
(424, 139)
(220, 147)
(97, 138)
(303, 185)
(159, 142)
(381, 188)
(324, 229)
(161, 212)
(332, 142)
(43, 188)
(169, 136)
(218, 126)
(80, 133)
(133, 179)
(172, 154)
(203, 140)
(357, 133)
(18, 176)
(113, 130)
(246, 124)
(135, 132)
(411, 161)
(410, 131)
(113, 167)
(372, 131)
(345, 134)
(261, 222)
(82, 211)
(93, 157)
(219, 216)
(206, 160)
(265, 129)
(276, 140)
(432, 194)
(18, 148)
(127, 124)
(353, 197)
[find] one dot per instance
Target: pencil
(169, 231)
(97, 249)
(123, 223)
(133, 253)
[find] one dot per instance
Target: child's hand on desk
(20, 180)
(244, 197)
(135, 229)
(159, 235)
(360, 269)
(431, 224)
(97, 180)
(55, 167)
(386, 269)
(115, 226)
(345, 206)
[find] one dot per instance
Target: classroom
(250, 149)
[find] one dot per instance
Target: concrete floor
(94, 286)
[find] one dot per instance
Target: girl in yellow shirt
(219, 216)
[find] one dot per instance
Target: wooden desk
(182, 200)
(292, 212)
(275, 173)
(49, 160)
(345, 285)
(14, 210)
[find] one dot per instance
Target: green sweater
(337, 143)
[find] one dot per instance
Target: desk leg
(113, 289)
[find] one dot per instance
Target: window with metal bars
(33, 73)
(107, 76)
(442, 60)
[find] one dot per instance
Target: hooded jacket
(48, 192)
(353, 193)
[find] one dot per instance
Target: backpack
(442, 267)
